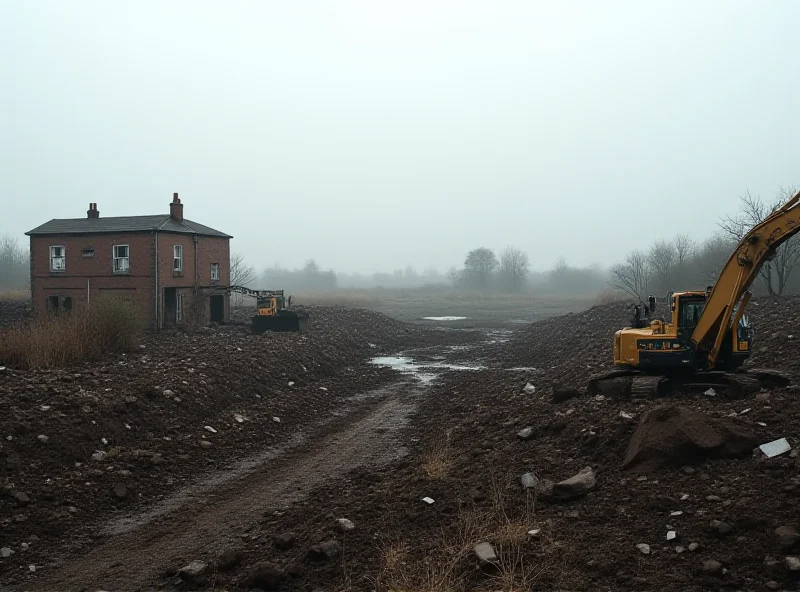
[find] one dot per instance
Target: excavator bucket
(285, 320)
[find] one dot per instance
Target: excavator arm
(757, 246)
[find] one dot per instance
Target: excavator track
(631, 383)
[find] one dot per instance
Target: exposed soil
(464, 440)
(13, 313)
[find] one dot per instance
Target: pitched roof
(161, 222)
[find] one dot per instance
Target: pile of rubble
(13, 312)
(695, 492)
(81, 441)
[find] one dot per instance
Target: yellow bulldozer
(707, 337)
(273, 311)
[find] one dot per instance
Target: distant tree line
(681, 263)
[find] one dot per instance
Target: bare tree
(514, 266)
(14, 270)
(242, 274)
(662, 259)
(685, 248)
(753, 211)
(633, 275)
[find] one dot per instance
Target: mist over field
(371, 137)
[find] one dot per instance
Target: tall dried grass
(609, 297)
(18, 295)
(112, 325)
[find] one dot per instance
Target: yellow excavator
(273, 311)
(708, 338)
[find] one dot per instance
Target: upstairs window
(58, 258)
(122, 259)
(177, 258)
(215, 272)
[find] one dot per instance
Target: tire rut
(201, 521)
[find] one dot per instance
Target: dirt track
(372, 454)
(213, 516)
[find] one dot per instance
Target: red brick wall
(138, 284)
(209, 250)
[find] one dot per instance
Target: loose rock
(673, 436)
(485, 553)
(576, 486)
(525, 434)
(285, 541)
(192, 571)
(266, 576)
(324, 551)
(786, 538)
(229, 559)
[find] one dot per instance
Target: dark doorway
(170, 306)
(217, 309)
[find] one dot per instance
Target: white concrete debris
(210, 429)
(427, 500)
(775, 448)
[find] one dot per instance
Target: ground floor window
(59, 303)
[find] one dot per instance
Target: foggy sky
(375, 134)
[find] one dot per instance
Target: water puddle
(446, 318)
(425, 372)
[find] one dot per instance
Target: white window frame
(215, 272)
(116, 260)
(178, 307)
(177, 258)
(62, 258)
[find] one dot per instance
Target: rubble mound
(109, 435)
(672, 435)
(13, 312)
(500, 439)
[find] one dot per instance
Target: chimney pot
(92, 211)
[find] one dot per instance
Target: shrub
(110, 326)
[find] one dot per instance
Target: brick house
(172, 268)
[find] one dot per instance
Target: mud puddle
(425, 372)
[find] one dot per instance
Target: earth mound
(673, 436)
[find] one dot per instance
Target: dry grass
(610, 297)
(112, 326)
(438, 463)
(19, 295)
(347, 298)
(522, 561)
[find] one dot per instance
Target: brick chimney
(176, 208)
(92, 211)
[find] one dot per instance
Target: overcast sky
(371, 134)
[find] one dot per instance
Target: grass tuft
(111, 326)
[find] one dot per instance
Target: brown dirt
(13, 312)
(675, 436)
(463, 450)
(70, 438)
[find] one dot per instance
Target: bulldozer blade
(284, 321)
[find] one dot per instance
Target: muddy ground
(454, 416)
